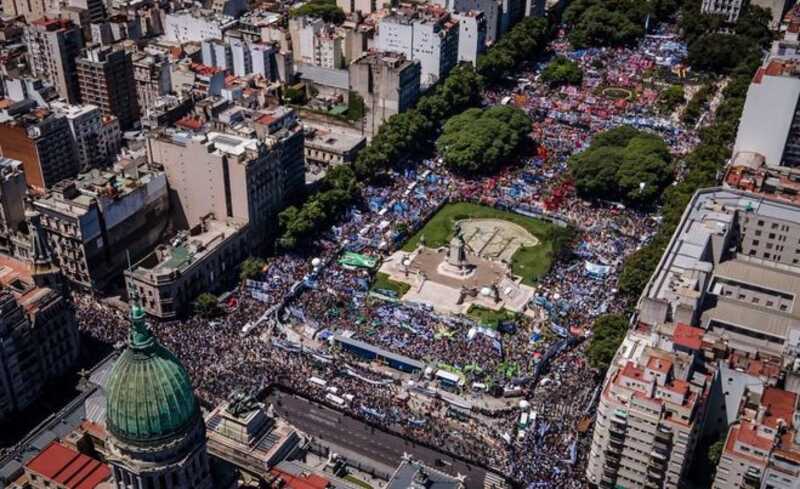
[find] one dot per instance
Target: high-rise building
(53, 45)
(762, 449)
(492, 11)
(389, 83)
(650, 414)
(30, 9)
(223, 175)
(105, 77)
(723, 292)
(316, 43)
(97, 221)
(96, 9)
(38, 334)
(42, 141)
(12, 196)
(95, 147)
(728, 9)
(424, 33)
(152, 74)
(156, 432)
(471, 35)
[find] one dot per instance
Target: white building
(729, 9)
(240, 57)
(428, 35)
(471, 35)
(95, 144)
(770, 123)
(262, 56)
(316, 43)
(216, 53)
(193, 27)
(492, 11)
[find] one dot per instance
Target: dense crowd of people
(291, 347)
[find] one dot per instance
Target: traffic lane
(371, 443)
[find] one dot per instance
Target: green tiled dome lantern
(149, 396)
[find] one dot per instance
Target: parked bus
(335, 400)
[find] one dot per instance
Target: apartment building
(95, 222)
(492, 12)
(222, 175)
(96, 146)
(105, 77)
(389, 83)
(53, 44)
(193, 26)
(471, 35)
(427, 34)
(762, 449)
(42, 141)
(38, 334)
(316, 43)
(650, 413)
(728, 9)
(722, 299)
(152, 77)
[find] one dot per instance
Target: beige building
(168, 279)
(243, 433)
(106, 79)
(762, 449)
(725, 289)
(331, 145)
(222, 175)
(94, 222)
(389, 83)
(53, 45)
(649, 417)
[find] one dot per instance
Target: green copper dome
(149, 396)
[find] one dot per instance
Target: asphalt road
(372, 444)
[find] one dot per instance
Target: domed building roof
(149, 396)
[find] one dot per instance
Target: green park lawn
(489, 317)
(529, 263)
(382, 281)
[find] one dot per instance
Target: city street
(356, 436)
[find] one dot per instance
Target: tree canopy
(250, 268)
(524, 41)
(562, 71)
(607, 334)
(206, 305)
(478, 141)
(599, 23)
(623, 164)
(713, 51)
(337, 191)
(671, 98)
(324, 9)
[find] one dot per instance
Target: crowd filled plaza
(543, 357)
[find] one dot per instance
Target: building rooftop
(768, 112)
(75, 196)
(186, 250)
(70, 469)
(412, 473)
(331, 138)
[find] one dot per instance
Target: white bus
(317, 381)
(523, 420)
(335, 400)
